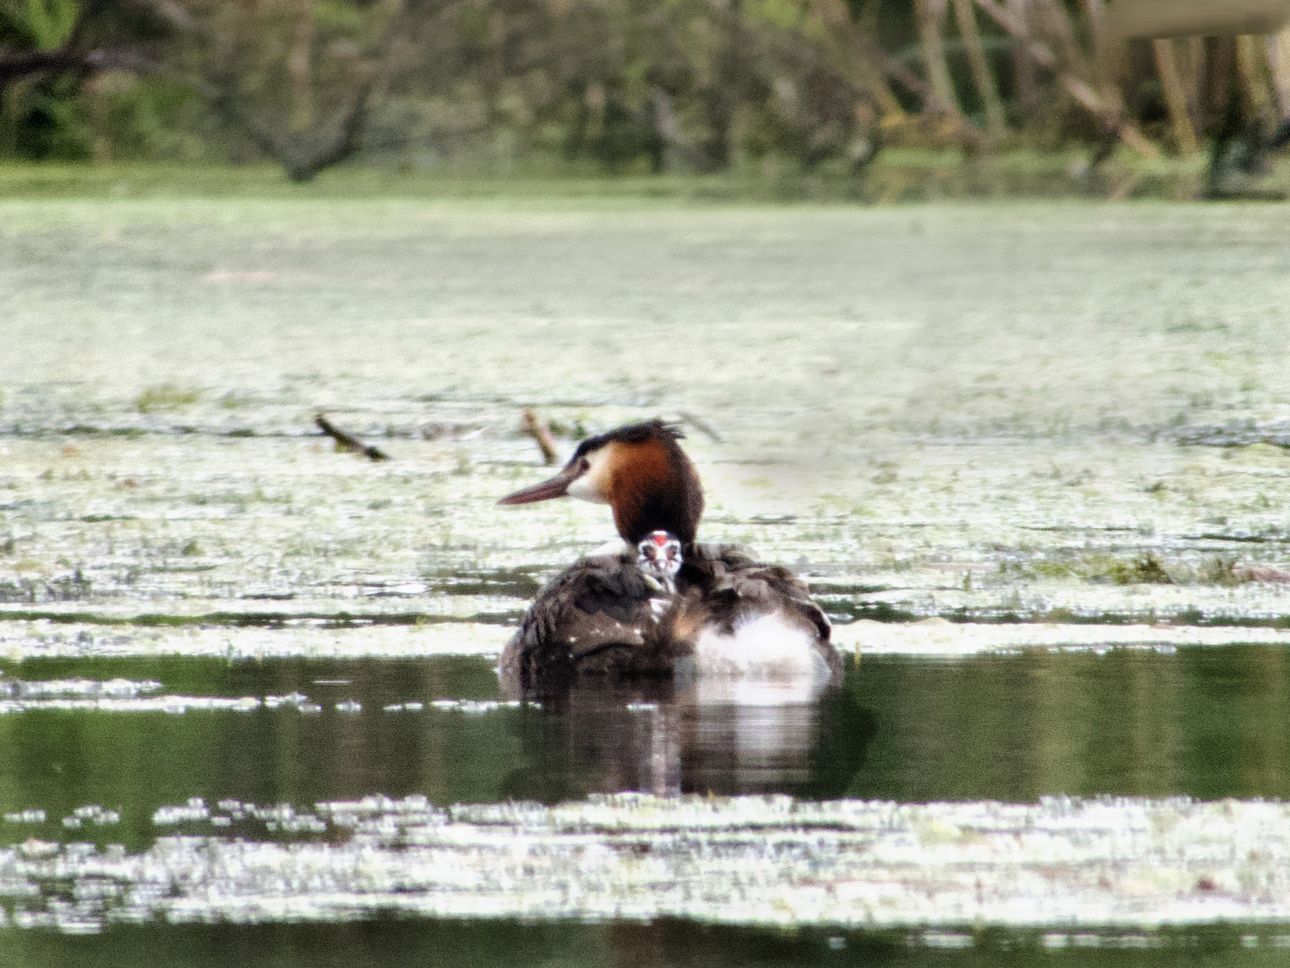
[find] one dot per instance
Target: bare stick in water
(347, 442)
(539, 431)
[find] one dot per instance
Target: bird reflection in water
(670, 738)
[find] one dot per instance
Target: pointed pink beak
(557, 486)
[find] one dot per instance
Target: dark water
(678, 943)
(1207, 723)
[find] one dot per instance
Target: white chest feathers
(770, 648)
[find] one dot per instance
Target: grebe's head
(658, 555)
(640, 471)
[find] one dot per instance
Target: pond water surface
(247, 694)
(144, 735)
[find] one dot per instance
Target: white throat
(593, 483)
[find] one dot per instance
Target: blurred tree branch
(67, 54)
(301, 155)
(701, 85)
(1078, 89)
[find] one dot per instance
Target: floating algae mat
(1031, 459)
(763, 860)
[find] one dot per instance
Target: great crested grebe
(666, 604)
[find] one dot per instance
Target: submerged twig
(347, 442)
(702, 426)
(539, 431)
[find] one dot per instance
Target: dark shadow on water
(449, 944)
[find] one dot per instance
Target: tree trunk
(1253, 79)
(1221, 115)
(995, 122)
(1027, 78)
(1194, 71)
(1279, 57)
(1059, 25)
(848, 54)
(1104, 51)
(300, 69)
(1171, 83)
(931, 17)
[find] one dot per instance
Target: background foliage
(620, 85)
